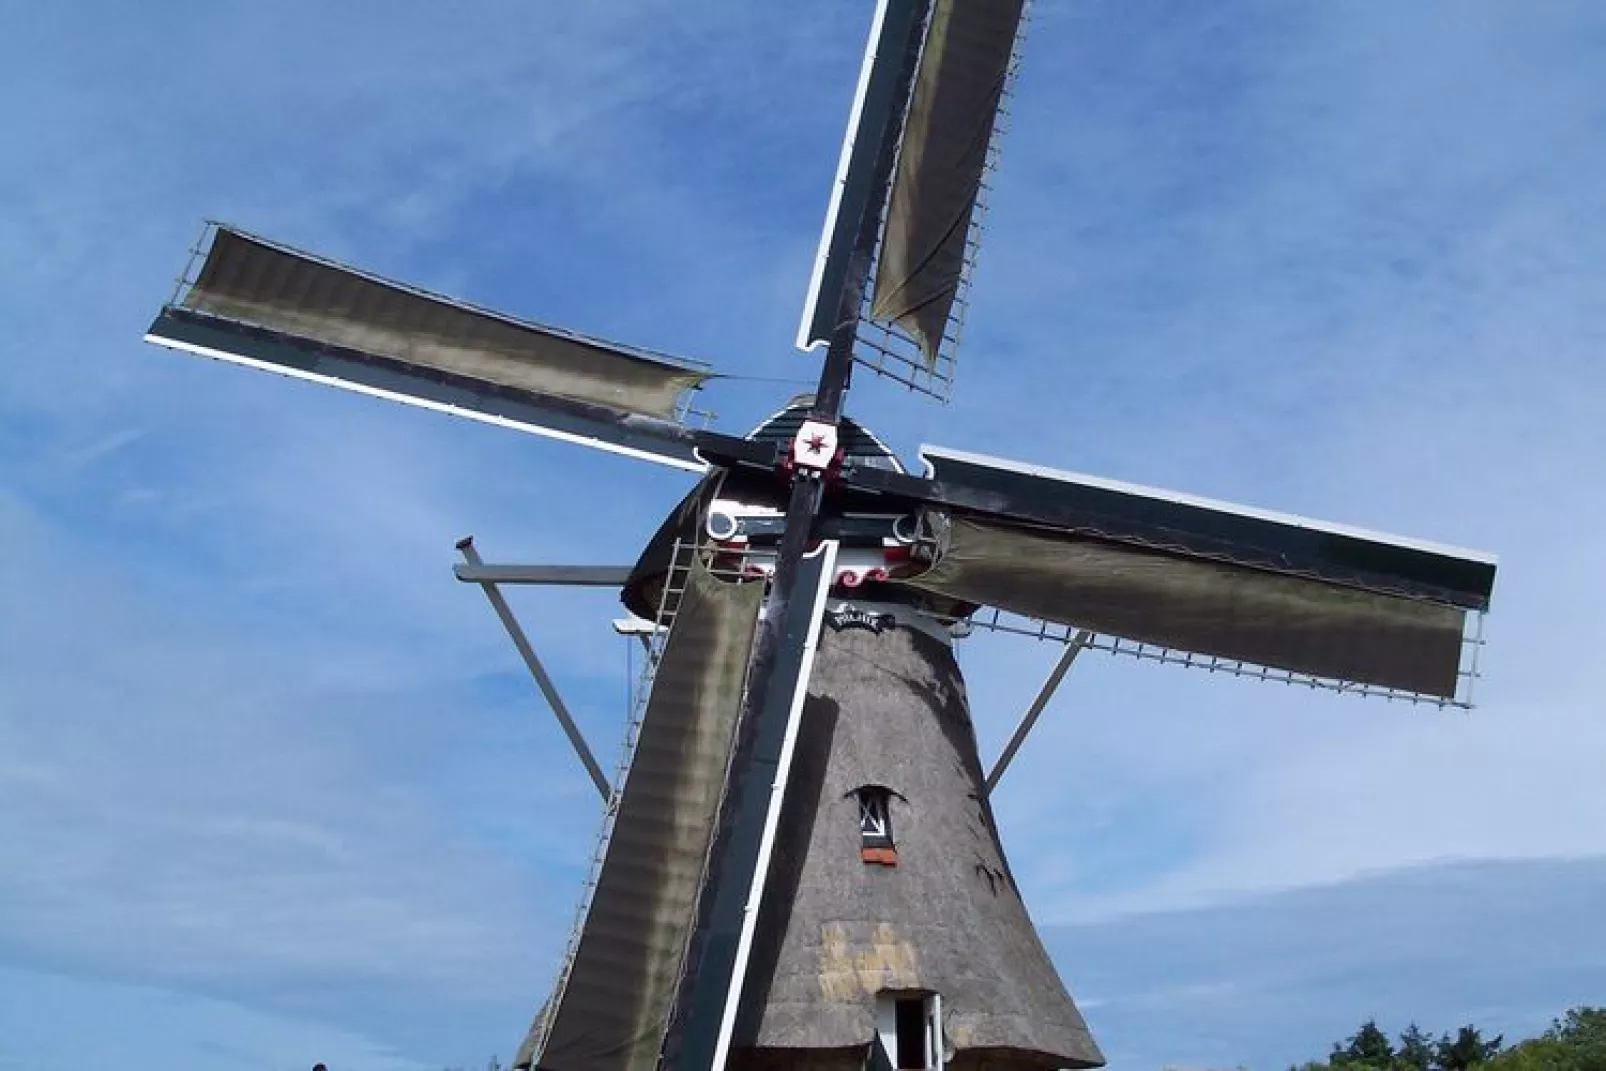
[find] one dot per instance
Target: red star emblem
(816, 443)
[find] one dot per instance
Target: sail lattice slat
(992, 619)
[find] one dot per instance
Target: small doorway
(910, 1028)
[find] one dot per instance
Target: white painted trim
(886, 1024)
(766, 844)
(855, 117)
(1293, 520)
(631, 625)
(423, 403)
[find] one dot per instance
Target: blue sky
(274, 788)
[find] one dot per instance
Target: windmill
(800, 866)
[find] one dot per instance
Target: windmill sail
(274, 308)
(613, 1005)
(1206, 607)
(964, 70)
(907, 205)
(878, 105)
(713, 984)
(1209, 529)
(1288, 593)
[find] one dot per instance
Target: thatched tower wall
(889, 709)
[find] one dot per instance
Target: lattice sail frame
(887, 349)
(992, 619)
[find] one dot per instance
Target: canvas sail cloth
(250, 281)
(960, 82)
(1207, 607)
(611, 1013)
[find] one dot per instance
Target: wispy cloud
(1273, 980)
(258, 744)
(151, 1027)
(1344, 265)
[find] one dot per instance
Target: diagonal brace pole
(537, 670)
(1072, 648)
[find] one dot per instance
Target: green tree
(1416, 1050)
(1467, 1049)
(1368, 1047)
(1575, 1042)
(1535, 1054)
(1582, 1030)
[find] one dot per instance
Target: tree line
(1574, 1042)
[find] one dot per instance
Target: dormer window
(875, 825)
(875, 816)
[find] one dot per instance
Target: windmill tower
(800, 867)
